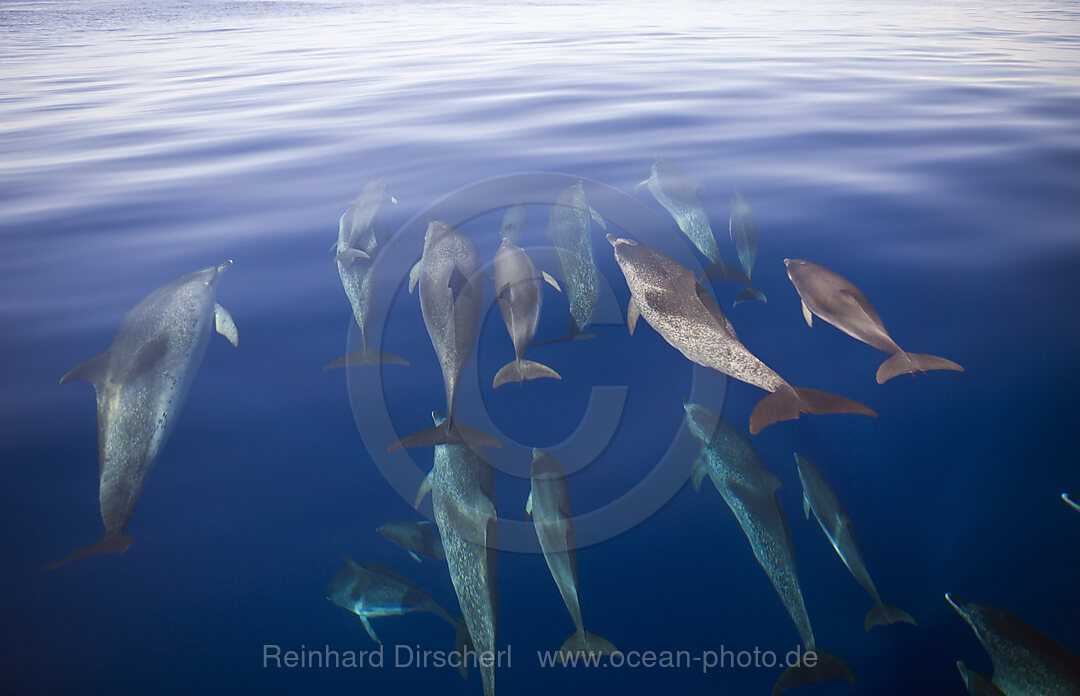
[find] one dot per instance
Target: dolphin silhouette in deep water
(356, 248)
(819, 497)
(418, 538)
(141, 382)
(553, 518)
(451, 295)
(462, 487)
(372, 591)
(742, 228)
(977, 684)
(1026, 661)
(674, 303)
(520, 296)
(749, 489)
(835, 299)
(1070, 502)
(568, 230)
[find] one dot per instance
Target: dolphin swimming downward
(141, 382)
(820, 498)
(520, 296)
(674, 303)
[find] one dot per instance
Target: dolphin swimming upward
(1070, 502)
(451, 295)
(462, 487)
(1026, 661)
(141, 382)
(819, 497)
(749, 489)
(520, 296)
(674, 303)
(742, 228)
(549, 505)
(836, 300)
(415, 537)
(356, 248)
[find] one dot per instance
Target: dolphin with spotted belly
(520, 296)
(141, 383)
(835, 299)
(674, 302)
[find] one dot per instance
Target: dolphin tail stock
(749, 294)
(447, 433)
(882, 614)
(521, 370)
(113, 542)
(721, 271)
(366, 356)
(583, 643)
(826, 668)
(574, 334)
(786, 403)
(908, 363)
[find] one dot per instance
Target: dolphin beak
(224, 267)
(787, 262)
(611, 239)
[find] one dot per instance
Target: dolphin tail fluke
(116, 542)
(463, 645)
(749, 294)
(521, 370)
(583, 643)
(366, 356)
(909, 363)
(786, 403)
(721, 272)
(448, 433)
(826, 668)
(884, 614)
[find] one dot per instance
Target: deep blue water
(931, 154)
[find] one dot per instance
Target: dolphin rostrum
(356, 248)
(415, 537)
(513, 223)
(568, 230)
(141, 382)
(549, 505)
(1070, 502)
(977, 684)
(372, 591)
(820, 498)
(835, 299)
(674, 303)
(749, 489)
(520, 295)
(742, 228)
(462, 487)
(1026, 661)
(451, 295)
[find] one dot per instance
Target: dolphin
(553, 518)
(141, 382)
(451, 295)
(1070, 502)
(674, 303)
(414, 537)
(372, 591)
(742, 228)
(520, 295)
(678, 194)
(749, 489)
(1026, 661)
(356, 249)
(819, 497)
(836, 300)
(513, 223)
(568, 230)
(462, 487)
(977, 684)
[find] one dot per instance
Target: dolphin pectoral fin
(806, 505)
(786, 403)
(598, 218)
(909, 363)
(366, 356)
(349, 256)
(633, 312)
(638, 186)
(415, 557)
(884, 614)
(528, 504)
(550, 280)
(807, 314)
(92, 370)
(414, 275)
(826, 668)
(977, 684)
(367, 627)
(749, 294)
(698, 473)
(424, 489)
(457, 283)
(224, 325)
(116, 542)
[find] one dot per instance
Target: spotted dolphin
(1070, 502)
(141, 382)
(520, 296)
(749, 489)
(977, 684)
(553, 517)
(415, 537)
(819, 498)
(742, 228)
(674, 303)
(835, 299)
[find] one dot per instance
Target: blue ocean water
(930, 153)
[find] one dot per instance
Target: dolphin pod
(674, 303)
(835, 299)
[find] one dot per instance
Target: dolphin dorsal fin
(147, 356)
(632, 314)
(806, 505)
(457, 282)
(698, 473)
(224, 325)
(92, 371)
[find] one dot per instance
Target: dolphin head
(701, 421)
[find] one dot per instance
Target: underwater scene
(578, 347)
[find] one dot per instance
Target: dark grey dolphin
(356, 247)
(372, 591)
(451, 294)
(1070, 502)
(977, 684)
(1026, 661)
(553, 519)
(568, 230)
(520, 296)
(462, 487)
(141, 382)
(742, 228)
(836, 300)
(820, 498)
(415, 537)
(674, 303)
(749, 489)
